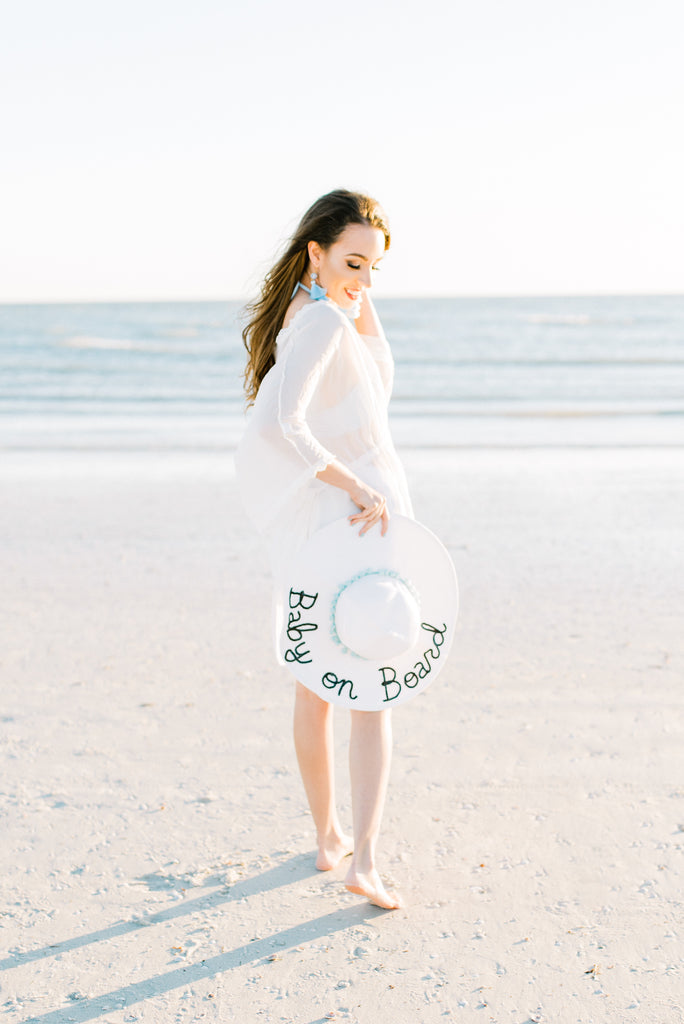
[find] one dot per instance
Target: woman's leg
(313, 735)
(370, 754)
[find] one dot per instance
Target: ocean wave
(576, 320)
(476, 360)
(408, 406)
(87, 341)
(560, 319)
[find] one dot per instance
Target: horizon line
(380, 298)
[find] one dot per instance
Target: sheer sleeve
(302, 364)
(279, 453)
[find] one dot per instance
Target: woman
(318, 448)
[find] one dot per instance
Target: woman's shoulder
(321, 312)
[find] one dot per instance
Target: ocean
(481, 372)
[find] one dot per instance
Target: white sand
(157, 854)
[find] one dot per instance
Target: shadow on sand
(293, 870)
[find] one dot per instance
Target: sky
(164, 150)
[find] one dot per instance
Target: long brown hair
(323, 222)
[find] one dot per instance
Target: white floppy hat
(367, 621)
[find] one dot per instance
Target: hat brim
(305, 634)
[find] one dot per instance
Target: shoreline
(521, 429)
(64, 463)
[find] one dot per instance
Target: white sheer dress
(325, 398)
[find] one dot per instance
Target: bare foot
(370, 886)
(332, 850)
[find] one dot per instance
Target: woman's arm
(372, 504)
(303, 364)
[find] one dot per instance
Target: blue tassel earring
(316, 292)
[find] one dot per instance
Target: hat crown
(376, 615)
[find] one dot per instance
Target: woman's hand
(373, 509)
(367, 321)
(373, 505)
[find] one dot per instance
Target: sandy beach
(157, 856)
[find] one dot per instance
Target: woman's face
(345, 270)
